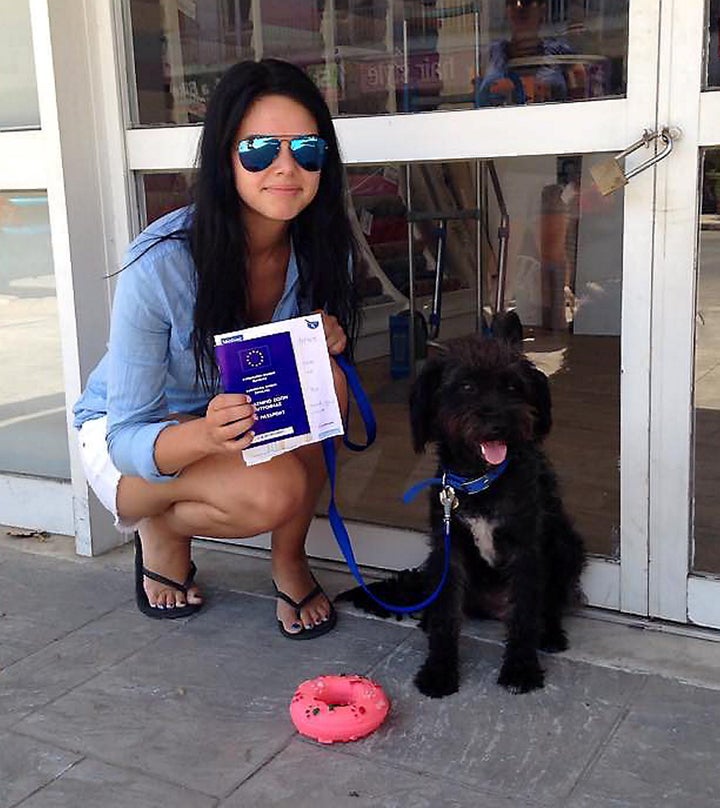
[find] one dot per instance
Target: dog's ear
(506, 326)
(423, 402)
(541, 400)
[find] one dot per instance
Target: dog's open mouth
(494, 451)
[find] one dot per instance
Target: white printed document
(285, 369)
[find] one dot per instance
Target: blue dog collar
(458, 483)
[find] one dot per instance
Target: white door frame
(703, 592)
(675, 593)
(78, 157)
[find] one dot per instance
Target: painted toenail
(296, 626)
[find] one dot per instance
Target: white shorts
(100, 471)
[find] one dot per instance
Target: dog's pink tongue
(494, 451)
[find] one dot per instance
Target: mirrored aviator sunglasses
(258, 152)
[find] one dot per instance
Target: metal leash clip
(448, 500)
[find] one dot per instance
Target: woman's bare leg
(166, 550)
(217, 496)
(290, 567)
(220, 496)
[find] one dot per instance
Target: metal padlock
(608, 176)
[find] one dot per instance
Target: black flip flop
(306, 633)
(141, 598)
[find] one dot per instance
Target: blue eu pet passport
(265, 369)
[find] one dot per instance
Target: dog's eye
(468, 387)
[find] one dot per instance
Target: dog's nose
(492, 428)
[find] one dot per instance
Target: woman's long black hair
(321, 234)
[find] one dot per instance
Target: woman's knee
(272, 496)
(282, 501)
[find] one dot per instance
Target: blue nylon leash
(449, 483)
(336, 522)
(363, 402)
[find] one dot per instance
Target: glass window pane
(374, 57)
(564, 277)
(33, 432)
(162, 192)
(18, 90)
(712, 51)
(706, 557)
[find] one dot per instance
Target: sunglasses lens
(257, 153)
(309, 152)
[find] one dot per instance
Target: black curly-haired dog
(514, 553)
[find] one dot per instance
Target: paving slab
(225, 568)
(309, 774)
(101, 706)
(206, 705)
(665, 752)
(91, 783)
(10, 651)
(42, 599)
(645, 646)
(533, 746)
(65, 663)
(26, 765)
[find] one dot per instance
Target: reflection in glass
(162, 192)
(564, 259)
(374, 56)
(706, 557)
(712, 50)
(18, 88)
(565, 280)
(33, 433)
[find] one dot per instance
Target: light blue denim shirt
(148, 371)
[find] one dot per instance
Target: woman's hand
(334, 335)
(228, 423)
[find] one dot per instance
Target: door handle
(609, 175)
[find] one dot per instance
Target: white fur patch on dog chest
(482, 530)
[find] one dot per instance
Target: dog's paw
(521, 676)
(552, 642)
(436, 682)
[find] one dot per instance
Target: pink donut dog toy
(338, 708)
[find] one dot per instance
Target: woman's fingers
(229, 407)
(230, 417)
(334, 335)
(336, 342)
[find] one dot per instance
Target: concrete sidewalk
(100, 706)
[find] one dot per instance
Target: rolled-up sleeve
(138, 368)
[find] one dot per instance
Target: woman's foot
(167, 555)
(296, 581)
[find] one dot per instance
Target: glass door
(579, 264)
(456, 118)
